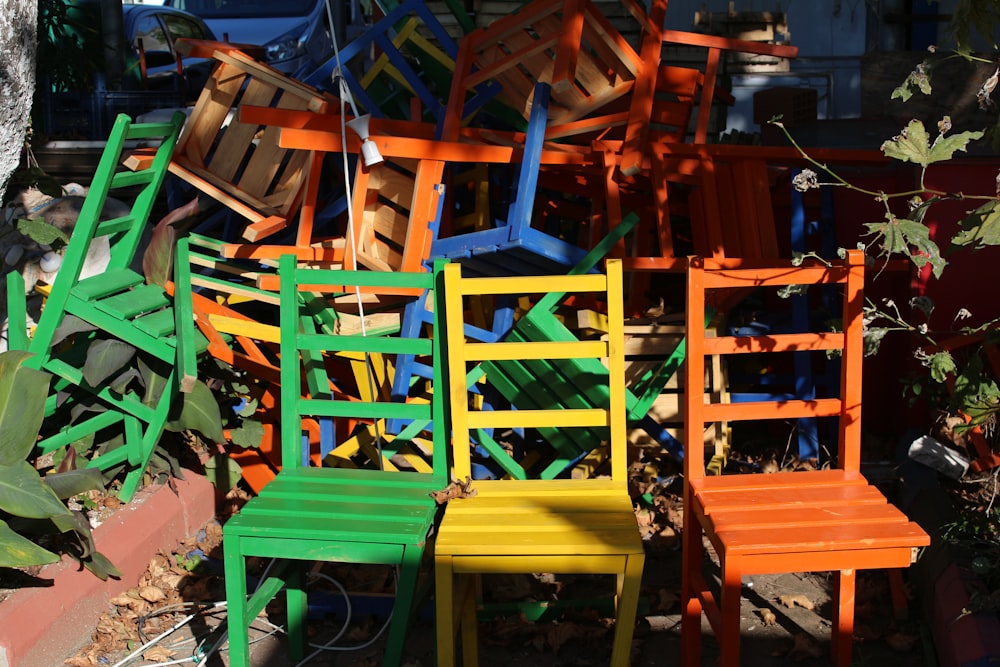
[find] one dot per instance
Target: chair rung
(127, 179)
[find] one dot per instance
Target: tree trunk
(18, 39)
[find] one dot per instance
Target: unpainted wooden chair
(239, 163)
(308, 513)
(831, 519)
(109, 337)
(532, 525)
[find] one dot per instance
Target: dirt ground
(579, 635)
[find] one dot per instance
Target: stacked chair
(424, 286)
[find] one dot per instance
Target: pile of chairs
(424, 302)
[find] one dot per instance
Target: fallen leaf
(152, 594)
(560, 633)
(804, 648)
(79, 661)
(456, 489)
(158, 654)
(901, 641)
(667, 599)
(767, 617)
(796, 600)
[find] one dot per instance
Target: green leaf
(23, 391)
(70, 483)
(918, 238)
(917, 80)
(223, 472)
(104, 359)
(41, 232)
(981, 227)
(249, 435)
(70, 325)
(99, 565)
(18, 551)
(155, 383)
(913, 145)
(942, 364)
(200, 412)
(22, 493)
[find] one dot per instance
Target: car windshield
(212, 9)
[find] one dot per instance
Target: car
(295, 34)
(150, 33)
(87, 85)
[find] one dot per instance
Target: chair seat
(539, 518)
(301, 504)
(779, 513)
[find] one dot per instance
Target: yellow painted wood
(531, 525)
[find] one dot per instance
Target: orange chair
(821, 520)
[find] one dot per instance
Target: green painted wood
(116, 302)
(307, 513)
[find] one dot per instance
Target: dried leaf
(158, 654)
(457, 489)
(79, 661)
(767, 617)
(560, 633)
(152, 593)
(902, 642)
(805, 648)
(796, 600)
(666, 599)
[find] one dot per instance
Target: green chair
(380, 514)
(108, 336)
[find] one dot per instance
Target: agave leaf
(70, 325)
(18, 551)
(200, 412)
(71, 482)
(23, 391)
(104, 359)
(101, 567)
(22, 493)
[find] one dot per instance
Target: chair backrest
(704, 275)
(569, 44)
(238, 163)
(308, 368)
(409, 67)
(123, 233)
(540, 396)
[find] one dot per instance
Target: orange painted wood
(781, 522)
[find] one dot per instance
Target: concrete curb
(39, 627)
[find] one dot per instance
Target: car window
(182, 26)
(149, 31)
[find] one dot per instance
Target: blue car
(82, 99)
(295, 34)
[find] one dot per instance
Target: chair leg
(406, 586)
(236, 604)
(729, 611)
(297, 609)
(629, 584)
(469, 623)
(691, 608)
(444, 611)
(843, 625)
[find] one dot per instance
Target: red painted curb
(39, 627)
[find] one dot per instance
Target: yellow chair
(531, 525)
